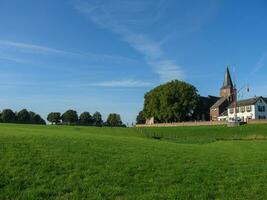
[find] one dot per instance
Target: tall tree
(140, 119)
(97, 119)
(23, 116)
(114, 120)
(54, 117)
(70, 117)
(85, 119)
(172, 102)
(8, 116)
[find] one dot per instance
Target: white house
(254, 108)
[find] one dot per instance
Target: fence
(196, 123)
(257, 121)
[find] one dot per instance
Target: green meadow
(70, 162)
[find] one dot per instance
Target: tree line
(22, 117)
(70, 117)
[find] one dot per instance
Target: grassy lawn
(59, 162)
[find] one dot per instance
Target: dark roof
(247, 102)
(225, 113)
(213, 97)
(219, 102)
(227, 79)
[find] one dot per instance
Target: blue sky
(100, 55)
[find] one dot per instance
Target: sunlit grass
(50, 162)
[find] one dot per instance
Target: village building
(218, 111)
(226, 107)
(244, 110)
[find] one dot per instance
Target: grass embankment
(206, 134)
(45, 162)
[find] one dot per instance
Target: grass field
(50, 162)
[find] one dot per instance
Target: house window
(261, 108)
(242, 109)
(237, 110)
(231, 110)
(248, 108)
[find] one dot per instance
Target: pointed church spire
(227, 83)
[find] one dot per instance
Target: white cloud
(123, 83)
(106, 17)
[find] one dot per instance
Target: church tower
(228, 89)
(227, 96)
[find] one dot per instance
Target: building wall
(259, 114)
(196, 123)
(214, 114)
(244, 116)
(253, 114)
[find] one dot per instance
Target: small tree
(70, 117)
(114, 120)
(8, 116)
(140, 119)
(85, 119)
(54, 117)
(23, 117)
(97, 119)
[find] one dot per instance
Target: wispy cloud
(9, 58)
(123, 83)
(11, 81)
(39, 49)
(33, 48)
(260, 64)
(105, 16)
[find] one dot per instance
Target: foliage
(171, 102)
(36, 119)
(70, 117)
(23, 117)
(8, 116)
(140, 119)
(117, 163)
(85, 119)
(97, 119)
(114, 120)
(54, 117)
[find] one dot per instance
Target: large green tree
(70, 117)
(114, 120)
(8, 116)
(174, 101)
(54, 117)
(97, 119)
(85, 119)
(36, 118)
(23, 117)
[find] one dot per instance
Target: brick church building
(227, 97)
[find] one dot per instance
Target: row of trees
(174, 101)
(71, 117)
(22, 117)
